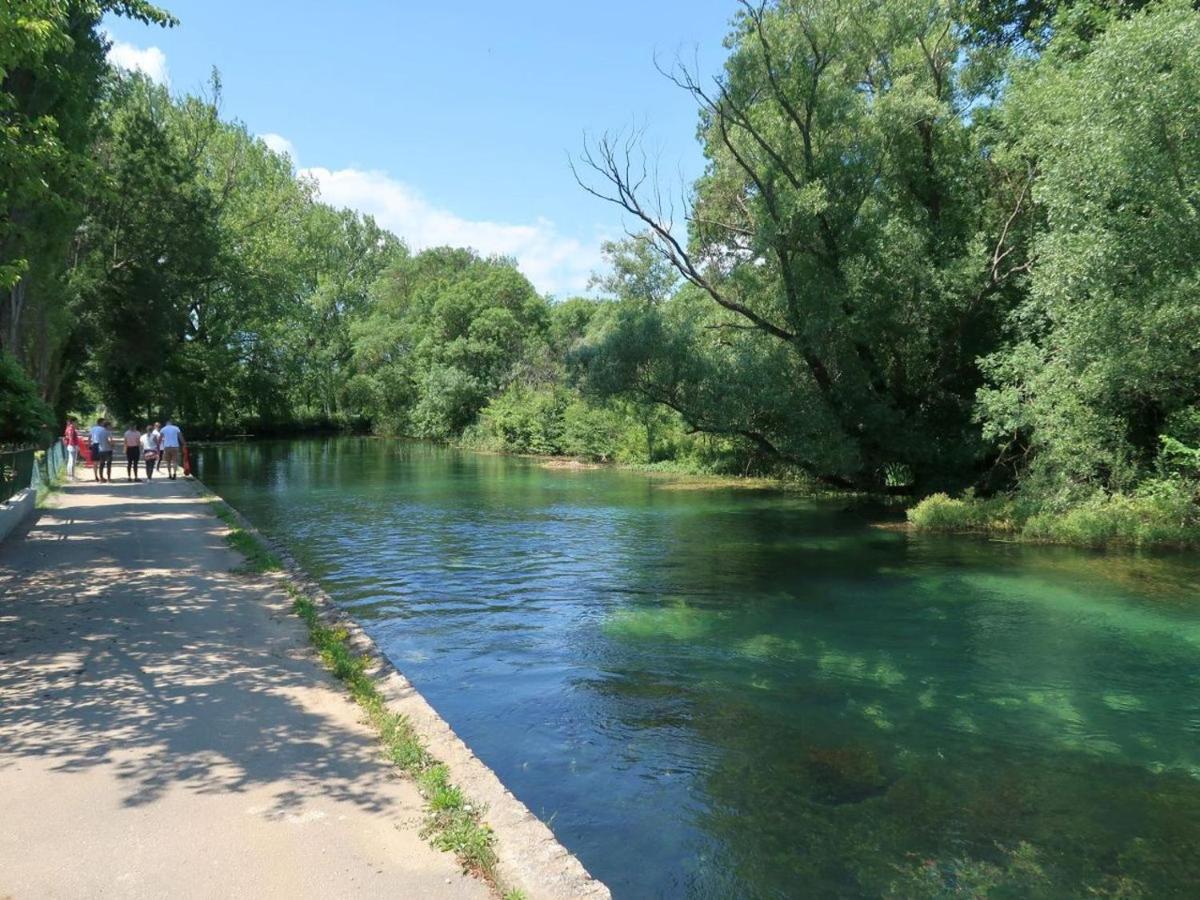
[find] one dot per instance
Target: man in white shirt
(172, 446)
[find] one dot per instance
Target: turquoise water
(718, 692)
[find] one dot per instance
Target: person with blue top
(101, 441)
(173, 445)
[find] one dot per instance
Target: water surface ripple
(716, 692)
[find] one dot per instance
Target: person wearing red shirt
(71, 439)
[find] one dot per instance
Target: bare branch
(603, 159)
(998, 256)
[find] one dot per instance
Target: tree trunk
(15, 305)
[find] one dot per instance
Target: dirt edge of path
(530, 857)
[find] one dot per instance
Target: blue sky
(451, 123)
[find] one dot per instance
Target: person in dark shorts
(101, 441)
(133, 452)
(106, 450)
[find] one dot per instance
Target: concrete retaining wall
(530, 858)
(18, 508)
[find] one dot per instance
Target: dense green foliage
(942, 248)
(840, 289)
(953, 246)
(157, 259)
(24, 417)
(1103, 356)
(52, 72)
(444, 334)
(1092, 400)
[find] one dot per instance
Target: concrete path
(165, 731)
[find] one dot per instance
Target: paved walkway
(164, 730)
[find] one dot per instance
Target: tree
(448, 330)
(845, 233)
(1105, 352)
(52, 67)
(24, 417)
(147, 249)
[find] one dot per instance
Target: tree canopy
(936, 245)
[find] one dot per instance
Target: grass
(452, 822)
(941, 512)
(46, 490)
(259, 560)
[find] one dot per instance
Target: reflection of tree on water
(861, 720)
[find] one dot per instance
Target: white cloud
(279, 144)
(556, 263)
(150, 60)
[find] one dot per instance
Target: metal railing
(28, 467)
(55, 461)
(16, 471)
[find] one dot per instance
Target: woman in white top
(150, 449)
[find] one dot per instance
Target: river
(716, 692)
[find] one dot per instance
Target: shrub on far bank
(1161, 511)
(941, 512)
(558, 421)
(520, 420)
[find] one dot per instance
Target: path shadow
(126, 642)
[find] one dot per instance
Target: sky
(451, 123)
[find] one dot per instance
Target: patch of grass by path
(452, 822)
(259, 559)
(45, 492)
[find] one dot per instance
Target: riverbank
(145, 685)
(468, 810)
(1162, 512)
(1163, 516)
(703, 675)
(685, 475)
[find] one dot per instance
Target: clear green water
(721, 692)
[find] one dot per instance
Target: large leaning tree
(852, 245)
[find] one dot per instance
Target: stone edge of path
(530, 857)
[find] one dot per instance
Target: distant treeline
(937, 245)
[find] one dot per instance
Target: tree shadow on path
(125, 642)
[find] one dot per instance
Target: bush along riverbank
(454, 820)
(1161, 512)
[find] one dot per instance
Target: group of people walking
(159, 446)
